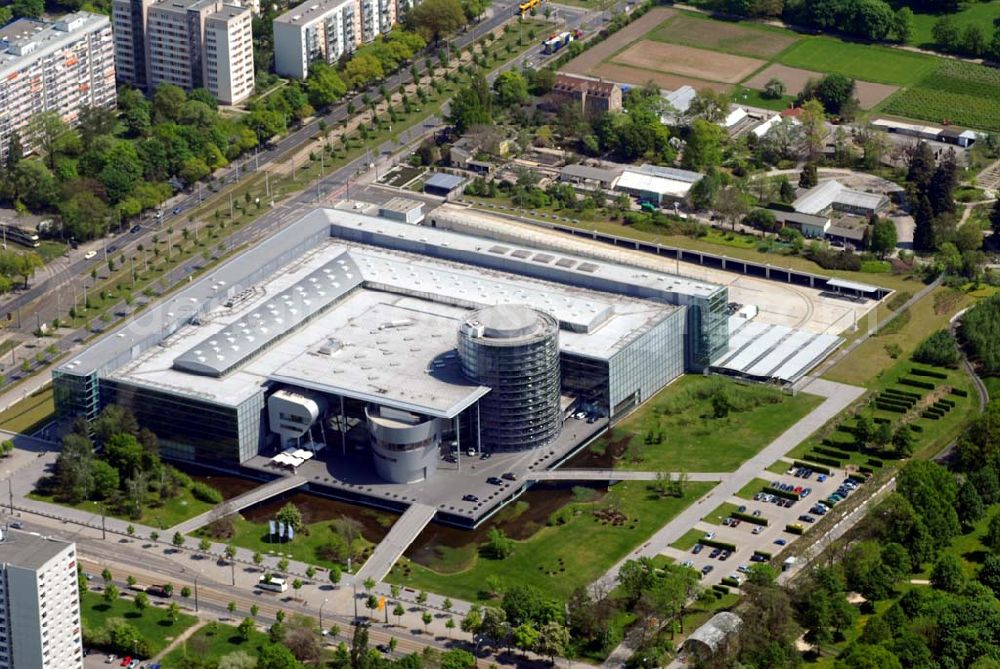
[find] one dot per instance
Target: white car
(758, 529)
(709, 536)
(111, 659)
(89, 254)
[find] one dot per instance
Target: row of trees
(972, 40)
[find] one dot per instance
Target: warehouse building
(345, 330)
(833, 195)
(652, 183)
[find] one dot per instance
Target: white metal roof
(852, 285)
(765, 351)
(638, 181)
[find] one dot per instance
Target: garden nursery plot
(955, 92)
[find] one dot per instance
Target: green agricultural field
(153, 624)
(982, 13)
(560, 556)
(955, 91)
(860, 61)
(678, 429)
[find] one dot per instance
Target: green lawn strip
(50, 249)
(29, 414)
(212, 642)
(992, 384)
(757, 485)
(557, 558)
(172, 512)
(599, 221)
(867, 62)
(720, 513)
(687, 542)
(776, 467)
(873, 357)
(934, 434)
(305, 547)
(691, 439)
(153, 624)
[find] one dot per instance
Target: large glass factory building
(346, 333)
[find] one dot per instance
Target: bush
(714, 543)
(872, 462)
(916, 428)
(791, 529)
(787, 494)
(721, 589)
(764, 554)
(939, 349)
(895, 408)
(730, 581)
(959, 392)
(812, 457)
(206, 493)
(829, 259)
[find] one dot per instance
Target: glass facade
(189, 428)
(521, 411)
(647, 364)
(76, 395)
(708, 325)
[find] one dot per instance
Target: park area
(699, 424)
(672, 48)
(559, 540)
(157, 626)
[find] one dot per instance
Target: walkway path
(621, 475)
(407, 528)
(838, 397)
(249, 498)
(179, 640)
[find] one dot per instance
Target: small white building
(402, 209)
(653, 183)
(834, 195)
(735, 116)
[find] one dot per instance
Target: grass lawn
(174, 511)
(306, 545)
(212, 642)
(29, 414)
(861, 61)
(153, 624)
(755, 98)
(50, 249)
(872, 358)
(692, 439)
(687, 542)
(992, 384)
(982, 13)
(557, 558)
(720, 513)
(969, 547)
(756, 485)
(776, 467)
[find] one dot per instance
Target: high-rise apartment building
(57, 66)
(39, 603)
(327, 29)
(189, 43)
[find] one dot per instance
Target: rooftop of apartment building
(28, 550)
(308, 11)
(28, 37)
(218, 6)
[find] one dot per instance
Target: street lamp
(196, 591)
(321, 613)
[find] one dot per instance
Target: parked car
(806, 492)
(780, 542)
(126, 661)
(757, 530)
(470, 498)
(821, 478)
(89, 254)
(742, 508)
(709, 535)
(807, 519)
(698, 548)
(494, 480)
(135, 229)
(687, 563)
(706, 570)
(725, 556)
(510, 476)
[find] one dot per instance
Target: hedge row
(791, 529)
(926, 372)
(724, 545)
(875, 463)
(781, 493)
(959, 392)
(842, 445)
(809, 465)
(857, 478)
(866, 470)
(721, 589)
(756, 520)
(897, 397)
(894, 408)
(902, 393)
(813, 457)
(730, 581)
(932, 414)
(832, 453)
(878, 420)
(944, 401)
(764, 554)
(916, 428)
(916, 383)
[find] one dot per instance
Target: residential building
(58, 66)
(39, 603)
(594, 96)
(328, 29)
(188, 43)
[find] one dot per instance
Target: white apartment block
(57, 66)
(327, 29)
(189, 43)
(39, 603)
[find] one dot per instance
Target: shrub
(866, 470)
(813, 457)
(939, 349)
(206, 493)
(880, 421)
(764, 554)
(787, 494)
(791, 529)
(916, 428)
(959, 392)
(832, 453)
(730, 581)
(895, 408)
(721, 589)
(715, 543)
(875, 463)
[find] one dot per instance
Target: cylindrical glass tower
(514, 350)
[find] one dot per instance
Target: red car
(127, 660)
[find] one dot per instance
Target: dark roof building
(442, 185)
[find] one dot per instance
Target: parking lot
(746, 536)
